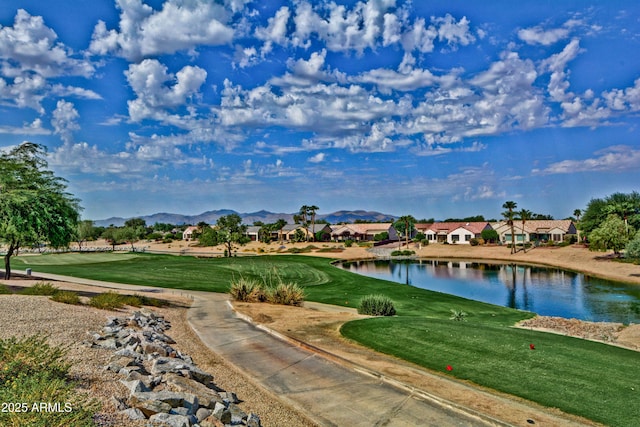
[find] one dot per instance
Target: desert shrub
(66, 297)
(458, 315)
(402, 253)
(474, 242)
(131, 300)
(348, 243)
(107, 301)
(376, 305)
(152, 302)
(40, 288)
(247, 290)
(31, 371)
(286, 294)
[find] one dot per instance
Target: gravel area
(68, 325)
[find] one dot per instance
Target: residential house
(452, 232)
(536, 230)
(253, 232)
(187, 234)
(362, 232)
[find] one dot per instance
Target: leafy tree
(208, 237)
(475, 218)
(509, 216)
(490, 235)
(625, 206)
(135, 223)
(129, 235)
(612, 234)
(230, 231)
(34, 204)
(633, 247)
(404, 225)
(163, 227)
(84, 231)
(110, 235)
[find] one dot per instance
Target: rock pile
(165, 386)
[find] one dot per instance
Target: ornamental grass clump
(66, 297)
(286, 294)
(376, 305)
(247, 290)
(107, 301)
(40, 288)
(36, 389)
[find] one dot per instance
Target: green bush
(40, 288)
(402, 253)
(348, 243)
(247, 290)
(66, 297)
(376, 305)
(32, 372)
(107, 301)
(286, 294)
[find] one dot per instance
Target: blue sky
(435, 109)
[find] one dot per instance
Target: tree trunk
(7, 260)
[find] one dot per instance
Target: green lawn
(590, 379)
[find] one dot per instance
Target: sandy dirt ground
(316, 326)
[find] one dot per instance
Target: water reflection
(546, 291)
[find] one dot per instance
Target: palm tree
(303, 219)
(279, 226)
(312, 213)
(524, 216)
(577, 214)
(408, 222)
(510, 206)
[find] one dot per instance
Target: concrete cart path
(331, 394)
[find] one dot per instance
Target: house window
(455, 238)
(467, 237)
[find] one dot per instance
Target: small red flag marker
(449, 368)
(532, 347)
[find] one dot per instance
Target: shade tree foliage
(35, 207)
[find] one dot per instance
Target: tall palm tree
(510, 206)
(302, 219)
(312, 213)
(577, 213)
(279, 226)
(408, 222)
(524, 216)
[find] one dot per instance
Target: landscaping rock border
(165, 386)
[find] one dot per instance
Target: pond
(542, 290)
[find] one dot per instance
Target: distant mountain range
(210, 217)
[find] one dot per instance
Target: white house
(454, 233)
(535, 230)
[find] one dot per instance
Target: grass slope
(590, 379)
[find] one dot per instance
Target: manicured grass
(593, 380)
